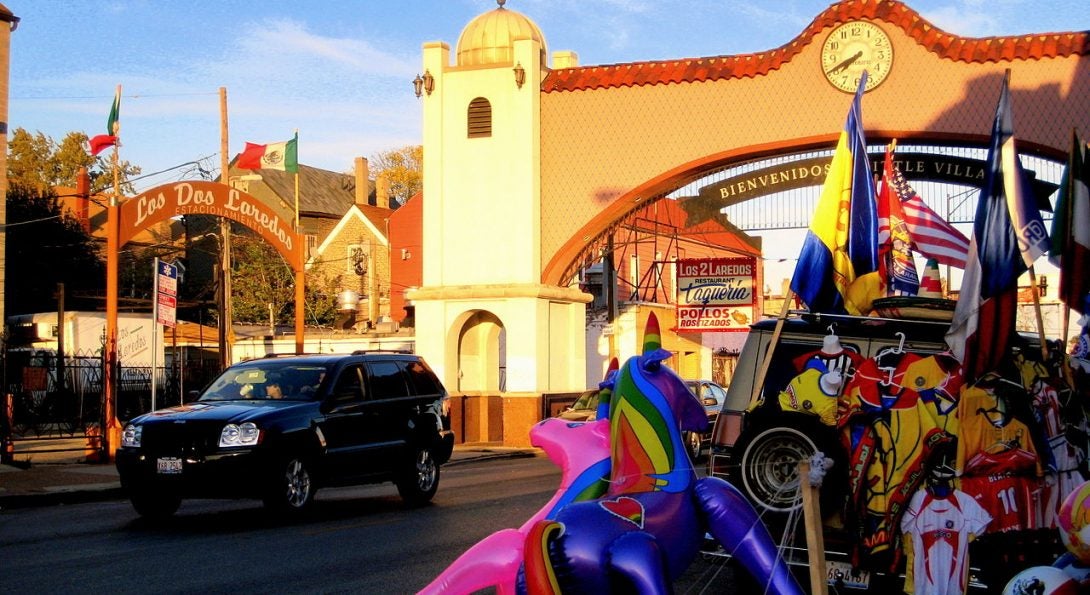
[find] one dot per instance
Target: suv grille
(193, 439)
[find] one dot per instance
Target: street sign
(168, 278)
(167, 289)
(166, 311)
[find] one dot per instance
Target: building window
(356, 257)
(480, 118)
(311, 242)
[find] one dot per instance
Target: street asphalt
(39, 477)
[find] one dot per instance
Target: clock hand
(846, 63)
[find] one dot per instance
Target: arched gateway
(527, 164)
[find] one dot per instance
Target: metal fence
(64, 398)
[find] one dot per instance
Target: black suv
(278, 428)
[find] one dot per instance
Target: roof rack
(366, 351)
(818, 316)
(275, 355)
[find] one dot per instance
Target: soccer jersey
(1008, 499)
(930, 377)
(806, 393)
(940, 529)
(890, 434)
(987, 426)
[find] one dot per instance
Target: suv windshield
(267, 380)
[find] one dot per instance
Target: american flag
(932, 236)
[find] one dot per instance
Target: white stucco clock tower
(490, 328)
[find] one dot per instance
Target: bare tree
(403, 169)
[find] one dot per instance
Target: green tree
(30, 161)
(403, 169)
(260, 276)
(37, 162)
(47, 246)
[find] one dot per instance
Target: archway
(476, 348)
(784, 184)
(183, 198)
(481, 356)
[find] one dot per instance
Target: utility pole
(226, 314)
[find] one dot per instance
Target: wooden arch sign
(210, 198)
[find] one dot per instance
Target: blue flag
(837, 270)
(1008, 235)
(1008, 183)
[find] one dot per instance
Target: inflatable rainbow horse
(630, 513)
(648, 528)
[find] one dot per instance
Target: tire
(419, 479)
(154, 504)
(291, 487)
(693, 440)
(769, 469)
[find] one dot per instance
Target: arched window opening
(480, 118)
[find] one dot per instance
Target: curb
(61, 497)
(489, 455)
(102, 492)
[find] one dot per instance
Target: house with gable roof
(345, 232)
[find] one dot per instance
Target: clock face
(852, 48)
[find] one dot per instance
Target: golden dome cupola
(489, 38)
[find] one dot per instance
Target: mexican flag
(283, 156)
(97, 143)
(1070, 249)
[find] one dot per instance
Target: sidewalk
(62, 478)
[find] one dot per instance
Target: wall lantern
(425, 84)
(520, 75)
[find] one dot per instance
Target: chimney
(382, 193)
(363, 186)
(565, 59)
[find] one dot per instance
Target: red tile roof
(945, 45)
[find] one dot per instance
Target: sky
(340, 71)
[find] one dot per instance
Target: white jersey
(940, 528)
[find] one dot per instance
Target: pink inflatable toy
(581, 450)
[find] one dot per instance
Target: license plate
(846, 575)
(169, 465)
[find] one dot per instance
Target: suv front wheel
(291, 488)
(419, 479)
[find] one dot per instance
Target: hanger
(901, 345)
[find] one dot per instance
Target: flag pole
(1037, 310)
(300, 271)
(1067, 323)
(112, 428)
(297, 181)
(758, 384)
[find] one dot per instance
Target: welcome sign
(716, 294)
(211, 198)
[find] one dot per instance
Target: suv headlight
(131, 436)
(245, 434)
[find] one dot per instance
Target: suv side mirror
(340, 399)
